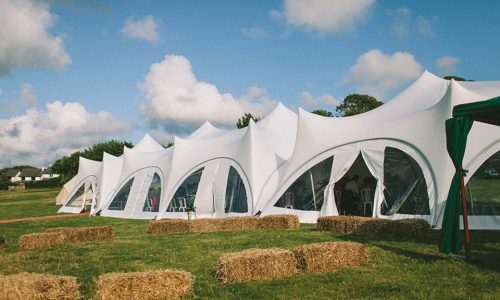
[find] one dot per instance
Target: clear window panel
(236, 196)
(152, 203)
(307, 192)
(405, 186)
(121, 198)
(483, 189)
(77, 199)
(186, 193)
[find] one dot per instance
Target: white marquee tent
(289, 163)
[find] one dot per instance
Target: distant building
(31, 174)
(49, 173)
(13, 175)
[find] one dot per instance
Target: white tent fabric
(259, 169)
(413, 122)
(109, 176)
(139, 190)
(86, 187)
(65, 191)
(254, 152)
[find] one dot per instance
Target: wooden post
(464, 214)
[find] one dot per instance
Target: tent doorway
(356, 190)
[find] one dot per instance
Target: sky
(75, 73)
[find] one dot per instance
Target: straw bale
(38, 286)
(168, 226)
(408, 229)
(341, 224)
(330, 256)
(84, 234)
(279, 222)
(205, 225)
(41, 240)
(256, 264)
(240, 223)
(144, 285)
(399, 229)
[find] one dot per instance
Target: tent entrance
(355, 191)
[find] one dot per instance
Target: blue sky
(73, 73)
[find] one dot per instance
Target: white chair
(182, 204)
(149, 204)
(367, 198)
(289, 200)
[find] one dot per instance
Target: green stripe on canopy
(487, 111)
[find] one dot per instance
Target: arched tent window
(82, 197)
(405, 186)
(152, 202)
(483, 188)
(307, 192)
(236, 196)
(186, 193)
(121, 197)
(77, 198)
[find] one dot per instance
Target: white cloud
(26, 98)
(324, 16)
(39, 137)
(448, 64)
(24, 38)
(404, 25)
(254, 32)
(175, 96)
(308, 99)
(376, 73)
(142, 29)
(424, 26)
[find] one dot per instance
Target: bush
(2, 242)
(46, 183)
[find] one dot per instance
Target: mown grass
(397, 270)
(27, 203)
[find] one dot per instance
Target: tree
(323, 112)
(67, 166)
(355, 104)
(245, 120)
(170, 144)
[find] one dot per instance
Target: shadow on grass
(411, 254)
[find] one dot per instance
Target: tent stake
(464, 214)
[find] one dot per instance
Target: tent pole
(464, 214)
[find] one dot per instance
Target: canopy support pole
(464, 214)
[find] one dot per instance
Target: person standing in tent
(351, 192)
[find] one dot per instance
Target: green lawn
(397, 270)
(27, 203)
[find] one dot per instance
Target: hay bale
(41, 240)
(398, 229)
(279, 222)
(240, 223)
(38, 286)
(168, 226)
(408, 229)
(256, 264)
(84, 234)
(341, 224)
(330, 256)
(144, 285)
(205, 225)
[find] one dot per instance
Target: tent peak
(147, 144)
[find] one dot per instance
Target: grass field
(396, 270)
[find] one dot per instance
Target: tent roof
(147, 144)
